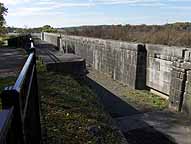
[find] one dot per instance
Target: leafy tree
(48, 28)
(3, 12)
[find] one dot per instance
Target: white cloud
(55, 9)
(179, 0)
(43, 7)
(46, 3)
(180, 7)
(51, 6)
(13, 1)
(123, 1)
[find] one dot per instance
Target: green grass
(72, 114)
(6, 82)
(142, 100)
(3, 39)
(41, 67)
(145, 100)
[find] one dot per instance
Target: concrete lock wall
(187, 95)
(123, 61)
(52, 39)
(164, 69)
(159, 66)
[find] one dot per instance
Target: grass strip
(72, 114)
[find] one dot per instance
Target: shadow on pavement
(116, 107)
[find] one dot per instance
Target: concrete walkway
(49, 54)
(57, 61)
(12, 61)
(155, 127)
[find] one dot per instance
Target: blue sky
(65, 13)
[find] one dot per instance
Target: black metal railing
(20, 118)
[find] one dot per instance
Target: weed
(41, 67)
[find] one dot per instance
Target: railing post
(42, 35)
(60, 44)
(31, 43)
(11, 98)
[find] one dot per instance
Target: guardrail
(20, 118)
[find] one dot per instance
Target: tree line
(178, 34)
(45, 28)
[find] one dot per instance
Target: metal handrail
(20, 80)
(20, 118)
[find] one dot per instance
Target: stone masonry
(159, 66)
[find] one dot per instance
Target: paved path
(157, 127)
(12, 61)
(49, 54)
